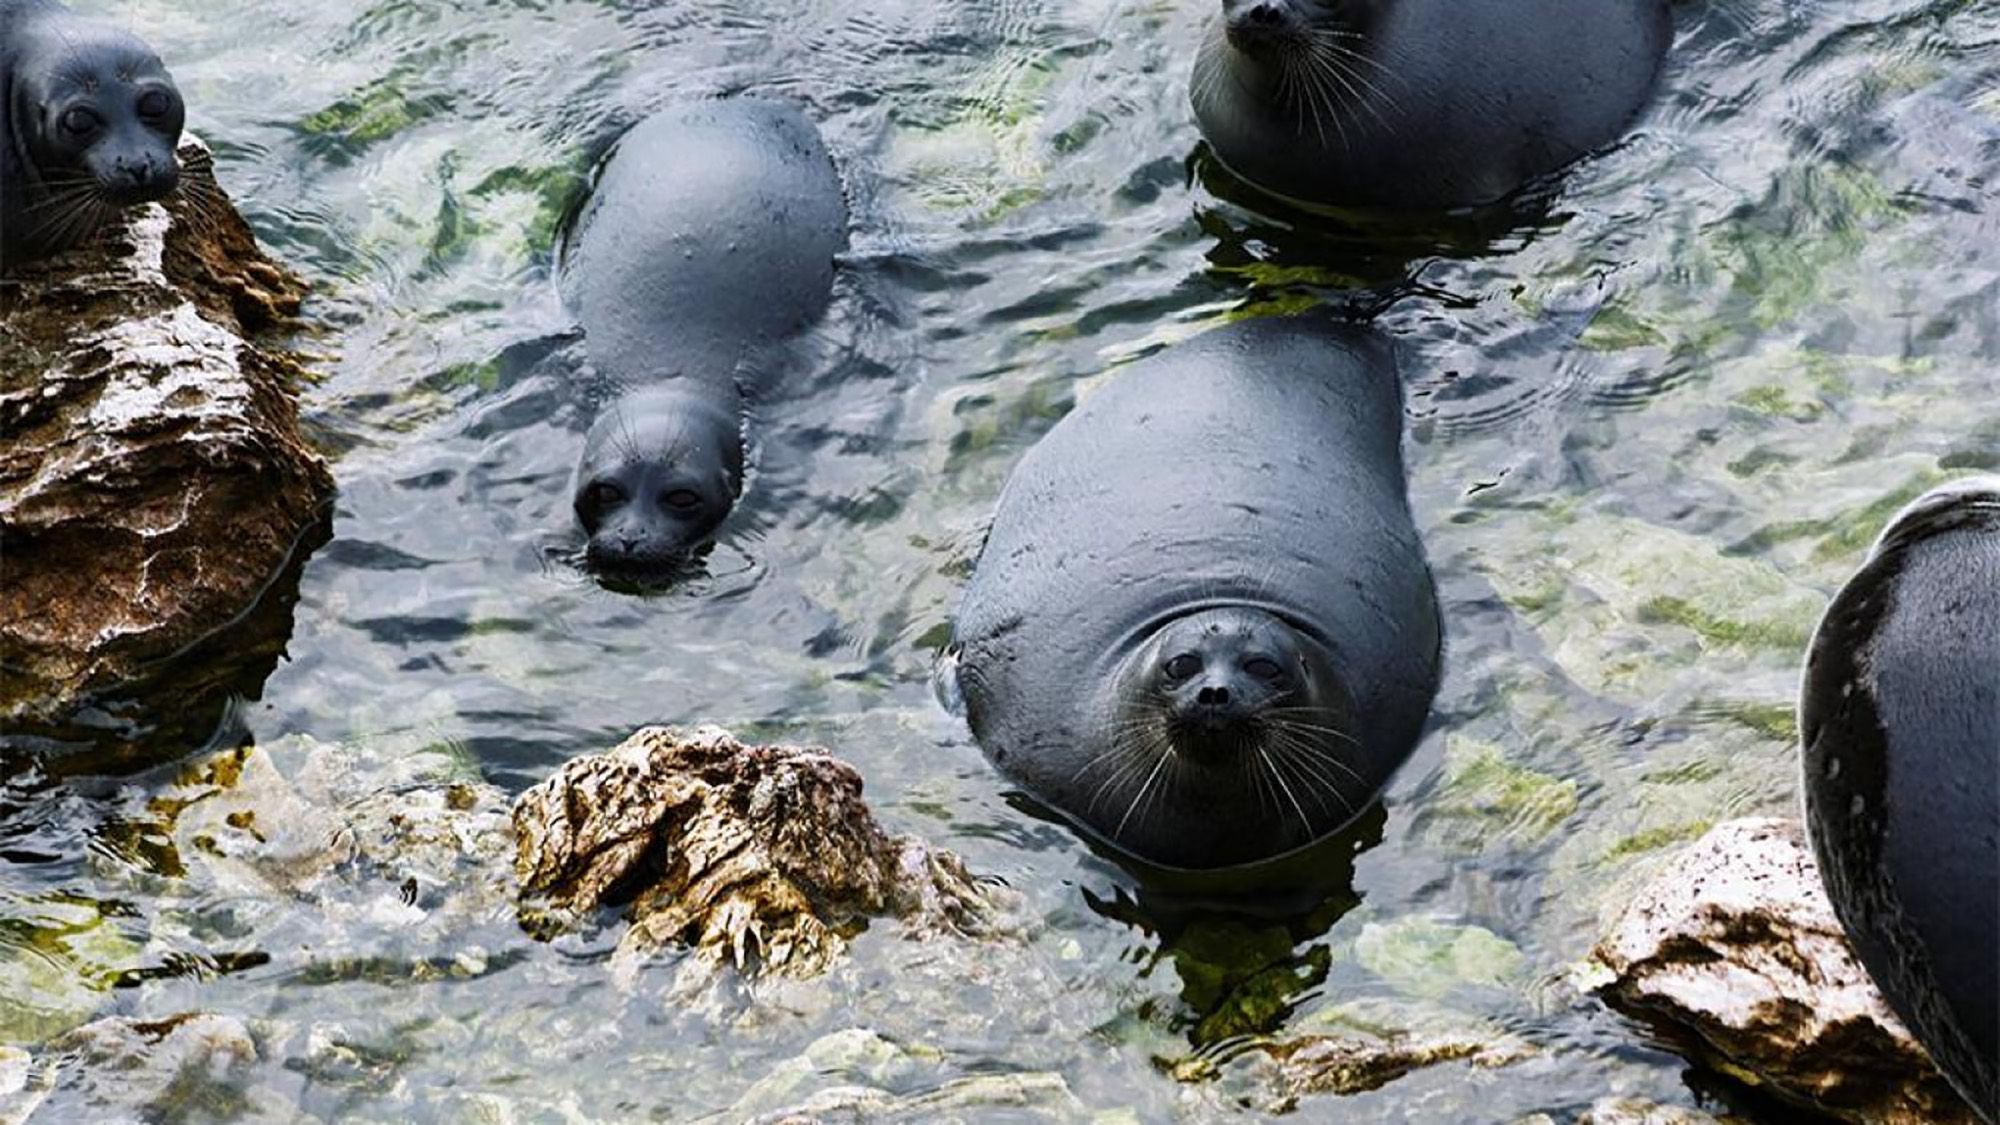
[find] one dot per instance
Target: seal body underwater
(1202, 627)
(705, 249)
(1420, 103)
(1899, 716)
(89, 127)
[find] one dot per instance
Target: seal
(1899, 716)
(1202, 628)
(1420, 103)
(704, 250)
(90, 126)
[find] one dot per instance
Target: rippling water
(1654, 420)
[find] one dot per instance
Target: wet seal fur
(1899, 716)
(1420, 103)
(1202, 627)
(706, 247)
(90, 123)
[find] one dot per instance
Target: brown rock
(1735, 951)
(759, 857)
(153, 484)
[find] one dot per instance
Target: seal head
(1233, 709)
(660, 472)
(92, 121)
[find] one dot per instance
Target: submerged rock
(755, 856)
(1735, 950)
(154, 488)
(192, 1066)
(1353, 1048)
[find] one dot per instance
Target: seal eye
(1183, 666)
(79, 121)
(604, 494)
(1263, 667)
(154, 104)
(681, 500)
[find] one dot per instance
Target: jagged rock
(153, 483)
(1735, 950)
(755, 856)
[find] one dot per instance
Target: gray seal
(1899, 715)
(1202, 628)
(706, 247)
(90, 125)
(1420, 103)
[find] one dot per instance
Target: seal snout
(1260, 25)
(141, 178)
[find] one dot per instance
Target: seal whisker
(1335, 63)
(1143, 789)
(1303, 757)
(1318, 753)
(1278, 775)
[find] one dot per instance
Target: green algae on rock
(762, 858)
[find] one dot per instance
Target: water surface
(1653, 424)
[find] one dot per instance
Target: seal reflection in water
(1900, 719)
(1420, 103)
(1202, 627)
(705, 249)
(90, 125)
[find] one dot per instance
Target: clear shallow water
(1652, 426)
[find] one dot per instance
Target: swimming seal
(1899, 716)
(90, 124)
(1420, 103)
(1202, 627)
(706, 246)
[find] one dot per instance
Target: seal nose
(1260, 24)
(1214, 695)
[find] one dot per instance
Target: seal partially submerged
(90, 125)
(1202, 627)
(1900, 720)
(707, 245)
(1420, 103)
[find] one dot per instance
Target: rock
(1632, 1111)
(1735, 951)
(986, 1097)
(401, 854)
(758, 857)
(1349, 1049)
(23, 1085)
(153, 484)
(116, 1070)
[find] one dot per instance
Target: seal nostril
(1263, 15)
(1213, 696)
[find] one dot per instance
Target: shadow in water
(1273, 246)
(1244, 941)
